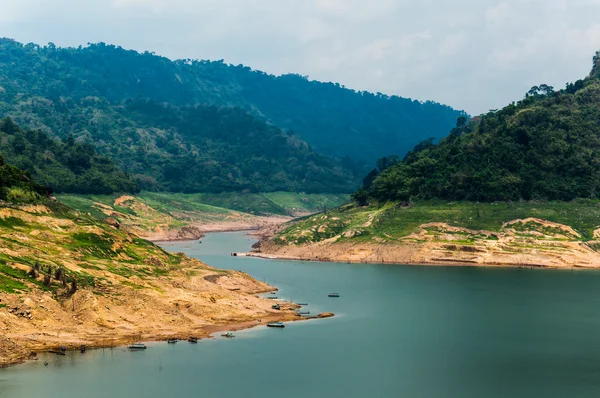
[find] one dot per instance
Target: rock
(155, 261)
(113, 222)
(325, 315)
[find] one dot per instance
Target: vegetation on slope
(150, 212)
(74, 91)
(18, 186)
(545, 147)
(62, 165)
(391, 222)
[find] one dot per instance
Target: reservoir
(399, 331)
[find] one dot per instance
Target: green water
(400, 331)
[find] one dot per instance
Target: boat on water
(333, 295)
(302, 312)
(138, 346)
(275, 325)
(83, 348)
(228, 335)
(302, 303)
(193, 340)
(172, 341)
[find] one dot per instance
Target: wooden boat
(272, 298)
(138, 346)
(302, 303)
(333, 295)
(229, 335)
(172, 341)
(275, 325)
(193, 340)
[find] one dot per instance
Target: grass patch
(133, 285)
(392, 221)
(9, 285)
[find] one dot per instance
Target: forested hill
(162, 145)
(61, 165)
(18, 186)
(334, 120)
(546, 146)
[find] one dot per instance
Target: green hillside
(62, 165)
(544, 147)
(73, 90)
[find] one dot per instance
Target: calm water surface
(400, 331)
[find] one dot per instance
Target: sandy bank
(196, 231)
(195, 301)
(440, 244)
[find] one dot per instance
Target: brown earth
(197, 230)
(176, 306)
(128, 289)
(522, 243)
(156, 225)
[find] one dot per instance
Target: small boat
(82, 348)
(275, 325)
(172, 341)
(302, 303)
(57, 352)
(272, 298)
(229, 335)
(333, 295)
(138, 346)
(193, 340)
(302, 312)
(276, 307)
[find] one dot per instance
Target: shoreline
(201, 333)
(124, 340)
(260, 228)
(442, 263)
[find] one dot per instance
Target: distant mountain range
(195, 126)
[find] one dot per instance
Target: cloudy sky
(471, 54)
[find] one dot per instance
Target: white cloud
(471, 54)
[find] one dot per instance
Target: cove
(399, 331)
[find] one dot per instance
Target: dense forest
(546, 146)
(62, 165)
(18, 186)
(357, 126)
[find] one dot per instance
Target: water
(400, 331)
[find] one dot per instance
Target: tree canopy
(67, 165)
(546, 146)
(76, 91)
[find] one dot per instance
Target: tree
(596, 65)
(361, 196)
(73, 288)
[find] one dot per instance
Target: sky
(473, 55)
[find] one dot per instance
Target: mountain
(546, 146)
(63, 166)
(79, 91)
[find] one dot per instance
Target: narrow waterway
(400, 331)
